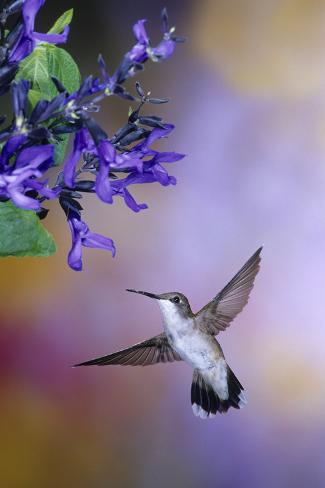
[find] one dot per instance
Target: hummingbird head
(171, 304)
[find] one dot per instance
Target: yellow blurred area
(264, 47)
(47, 444)
(296, 385)
(26, 281)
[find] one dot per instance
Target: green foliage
(64, 20)
(48, 60)
(45, 61)
(22, 234)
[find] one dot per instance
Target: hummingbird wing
(218, 314)
(152, 351)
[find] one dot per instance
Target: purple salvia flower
(81, 236)
(11, 146)
(131, 203)
(147, 176)
(128, 160)
(82, 142)
(109, 81)
(159, 133)
(139, 51)
(33, 157)
(167, 157)
(106, 154)
(42, 188)
(162, 176)
(121, 190)
(16, 179)
(143, 50)
(28, 38)
(155, 134)
(20, 98)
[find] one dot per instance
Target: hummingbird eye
(175, 299)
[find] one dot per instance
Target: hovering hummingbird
(191, 337)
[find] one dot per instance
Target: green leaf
(62, 22)
(34, 68)
(62, 65)
(34, 96)
(60, 149)
(22, 234)
(48, 60)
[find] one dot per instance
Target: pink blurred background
(248, 100)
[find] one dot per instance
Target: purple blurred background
(248, 100)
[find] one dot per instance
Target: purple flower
(139, 51)
(28, 38)
(9, 149)
(109, 81)
(82, 142)
(152, 169)
(143, 50)
(164, 49)
(19, 99)
(29, 123)
(128, 160)
(106, 154)
(81, 236)
(107, 159)
(155, 134)
(120, 189)
(150, 176)
(17, 178)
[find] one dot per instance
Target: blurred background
(248, 99)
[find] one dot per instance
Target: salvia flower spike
(98, 163)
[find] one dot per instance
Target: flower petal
(30, 9)
(23, 47)
(99, 242)
(164, 50)
(73, 159)
(168, 157)
(140, 32)
(42, 188)
(22, 201)
(75, 253)
(34, 156)
(158, 134)
(106, 154)
(161, 174)
(11, 147)
(131, 203)
(53, 38)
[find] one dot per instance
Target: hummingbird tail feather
(206, 402)
(236, 393)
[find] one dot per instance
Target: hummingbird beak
(147, 294)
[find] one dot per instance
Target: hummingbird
(190, 337)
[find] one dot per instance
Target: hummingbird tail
(206, 402)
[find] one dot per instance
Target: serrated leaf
(64, 20)
(46, 61)
(22, 234)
